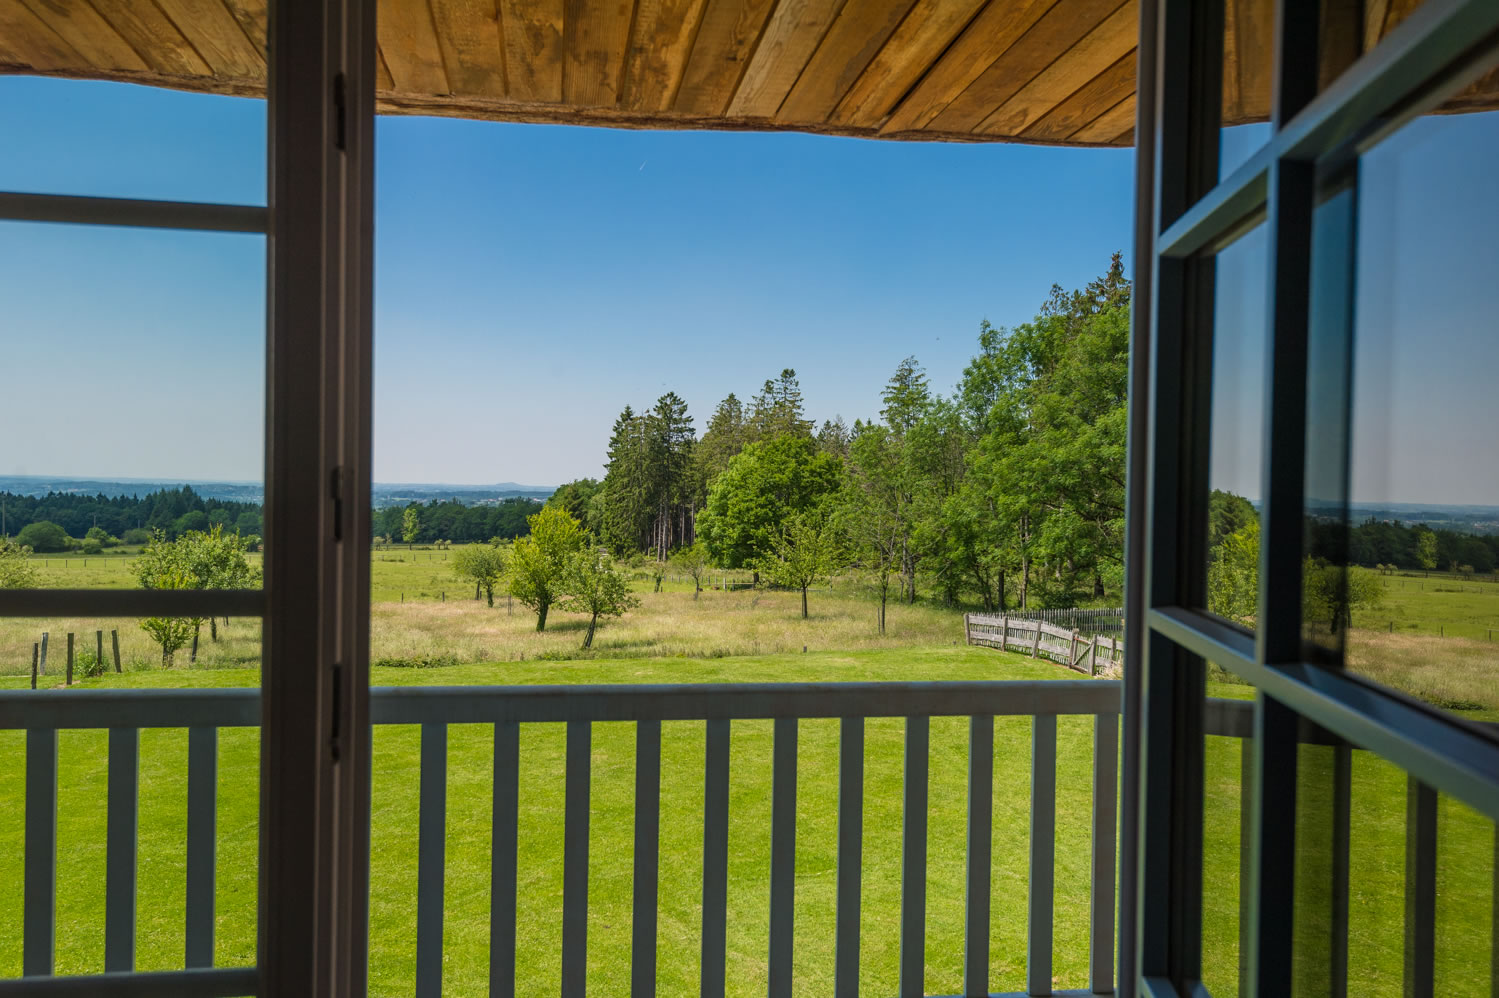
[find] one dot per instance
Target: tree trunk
(804, 602)
(884, 595)
(489, 592)
(588, 638)
(476, 592)
(192, 658)
(213, 628)
(1097, 586)
(166, 657)
(541, 617)
(697, 587)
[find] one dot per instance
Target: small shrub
(90, 665)
(92, 545)
(416, 662)
(136, 535)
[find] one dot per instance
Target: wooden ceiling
(1057, 72)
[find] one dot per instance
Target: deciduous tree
(16, 571)
(804, 553)
(539, 561)
(481, 564)
(595, 587)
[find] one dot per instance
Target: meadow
(1465, 858)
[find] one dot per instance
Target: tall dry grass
(1455, 673)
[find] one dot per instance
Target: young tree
(596, 588)
(160, 566)
(1333, 592)
(482, 564)
(804, 553)
(411, 525)
(539, 561)
(214, 559)
(1234, 574)
(16, 571)
(692, 561)
(872, 509)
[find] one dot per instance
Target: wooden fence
(1105, 620)
(1040, 639)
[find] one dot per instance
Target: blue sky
(532, 280)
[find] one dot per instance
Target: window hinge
(336, 493)
(340, 104)
(335, 727)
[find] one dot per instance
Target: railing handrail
(229, 708)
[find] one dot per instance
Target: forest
(1007, 491)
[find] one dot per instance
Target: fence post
(44, 653)
(1036, 641)
(1093, 655)
(114, 637)
(967, 630)
(35, 651)
(99, 650)
(70, 659)
(1072, 654)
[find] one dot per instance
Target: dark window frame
(1182, 217)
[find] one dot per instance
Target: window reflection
(1422, 596)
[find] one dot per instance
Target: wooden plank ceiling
(1057, 72)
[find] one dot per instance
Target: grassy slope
(1379, 800)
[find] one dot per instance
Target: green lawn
(1379, 800)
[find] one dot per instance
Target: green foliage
(416, 662)
(411, 525)
(136, 535)
(539, 561)
(43, 537)
(1426, 549)
(76, 512)
(1331, 593)
(595, 587)
(481, 564)
(16, 571)
(208, 559)
(101, 535)
(692, 561)
(91, 546)
(804, 553)
(650, 487)
(89, 665)
(1234, 574)
(575, 497)
(763, 487)
(874, 512)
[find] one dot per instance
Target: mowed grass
(1465, 857)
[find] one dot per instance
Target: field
(421, 611)
(1379, 797)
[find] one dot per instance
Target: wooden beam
(33, 39)
(213, 31)
(985, 39)
(791, 37)
(253, 17)
(1108, 128)
(657, 57)
(92, 37)
(1106, 90)
(1099, 49)
(532, 33)
(1062, 27)
(725, 42)
(1254, 32)
(922, 37)
(468, 34)
(153, 36)
(595, 36)
(855, 38)
(408, 40)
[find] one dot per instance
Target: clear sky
(533, 280)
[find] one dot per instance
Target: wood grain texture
(408, 40)
(790, 37)
(217, 37)
(1106, 90)
(532, 34)
(999, 26)
(253, 18)
(33, 40)
(725, 42)
(1252, 26)
(153, 36)
(87, 33)
(861, 29)
(1375, 12)
(468, 33)
(929, 28)
(1108, 126)
(657, 57)
(383, 82)
(595, 36)
(1062, 27)
(1099, 49)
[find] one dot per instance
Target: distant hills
(384, 494)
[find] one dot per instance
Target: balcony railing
(203, 712)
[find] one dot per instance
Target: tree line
(1007, 491)
(173, 511)
(451, 520)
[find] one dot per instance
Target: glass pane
(102, 139)
(1421, 604)
(1237, 415)
(136, 363)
